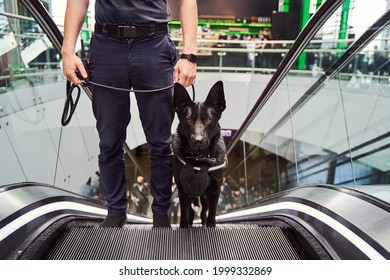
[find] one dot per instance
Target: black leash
(70, 105)
(126, 89)
(87, 82)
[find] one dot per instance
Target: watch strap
(190, 57)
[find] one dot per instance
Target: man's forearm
(76, 11)
(189, 22)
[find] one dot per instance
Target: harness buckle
(127, 31)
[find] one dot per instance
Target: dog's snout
(199, 137)
(199, 140)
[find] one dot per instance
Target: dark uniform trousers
(141, 63)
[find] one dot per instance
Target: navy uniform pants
(138, 63)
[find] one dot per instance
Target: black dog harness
(204, 159)
(194, 179)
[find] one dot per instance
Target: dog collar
(213, 168)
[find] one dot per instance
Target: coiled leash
(70, 104)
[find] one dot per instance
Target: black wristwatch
(190, 57)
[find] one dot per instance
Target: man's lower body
(141, 63)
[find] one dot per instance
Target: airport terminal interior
(306, 126)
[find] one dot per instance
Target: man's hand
(184, 72)
(72, 64)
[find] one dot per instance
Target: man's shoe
(161, 221)
(114, 222)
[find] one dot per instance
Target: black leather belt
(129, 31)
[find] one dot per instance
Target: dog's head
(199, 120)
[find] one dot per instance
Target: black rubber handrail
(313, 25)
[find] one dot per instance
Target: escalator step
(142, 242)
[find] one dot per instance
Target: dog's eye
(208, 120)
(190, 120)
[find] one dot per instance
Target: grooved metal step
(142, 242)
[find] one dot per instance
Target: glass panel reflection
(336, 132)
(29, 73)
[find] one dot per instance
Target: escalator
(225, 242)
(311, 222)
(54, 224)
(303, 223)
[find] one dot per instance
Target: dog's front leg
(213, 204)
(205, 208)
(185, 208)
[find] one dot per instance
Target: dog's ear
(181, 98)
(216, 97)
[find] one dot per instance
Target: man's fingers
(71, 76)
(74, 79)
(187, 79)
(72, 65)
(82, 70)
(185, 73)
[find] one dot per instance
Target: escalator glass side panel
(320, 129)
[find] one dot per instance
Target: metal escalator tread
(142, 242)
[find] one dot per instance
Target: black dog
(199, 152)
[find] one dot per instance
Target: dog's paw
(184, 226)
(211, 224)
